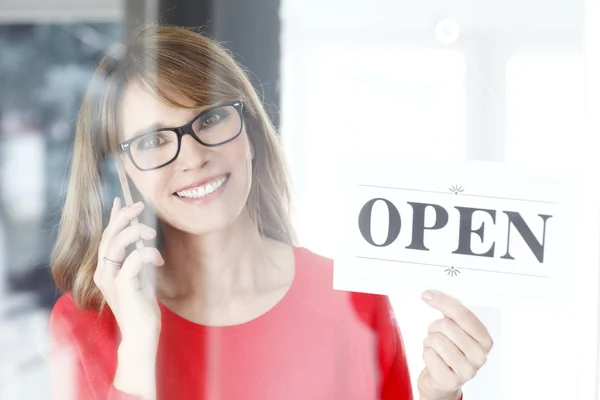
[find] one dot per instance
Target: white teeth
(202, 191)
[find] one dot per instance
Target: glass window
(44, 70)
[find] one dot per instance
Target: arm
(90, 359)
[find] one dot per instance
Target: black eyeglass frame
(125, 147)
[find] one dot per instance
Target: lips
(203, 188)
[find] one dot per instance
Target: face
(205, 188)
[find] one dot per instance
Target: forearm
(136, 370)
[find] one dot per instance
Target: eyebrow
(156, 126)
(150, 128)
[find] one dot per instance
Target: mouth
(199, 192)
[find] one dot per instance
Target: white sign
(478, 231)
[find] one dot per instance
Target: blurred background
(500, 80)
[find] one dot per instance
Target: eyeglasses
(213, 127)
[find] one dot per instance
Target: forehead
(140, 109)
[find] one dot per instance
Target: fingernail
(137, 205)
(158, 260)
(427, 295)
(114, 202)
(148, 235)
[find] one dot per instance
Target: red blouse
(316, 343)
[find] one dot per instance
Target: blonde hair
(167, 60)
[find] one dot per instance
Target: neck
(212, 269)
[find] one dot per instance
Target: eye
(150, 141)
(212, 118)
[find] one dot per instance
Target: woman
(234, 310)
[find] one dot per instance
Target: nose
(192, 155)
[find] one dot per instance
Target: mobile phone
(139, 244)
(147, 274)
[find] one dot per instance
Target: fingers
(453, 309)
(451, 356)
(127, 275)
(117, 236)
(120, 217)
(116, 248)
(472, 349)
(116, 205)
(442, 376)
(135, 262)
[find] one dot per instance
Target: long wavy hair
(166, 60)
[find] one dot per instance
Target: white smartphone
(139, 244)
(147, 274)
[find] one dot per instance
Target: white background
(510, 89)
(24, 373)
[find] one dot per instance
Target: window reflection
(44, 70)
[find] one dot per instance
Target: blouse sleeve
(68, 376)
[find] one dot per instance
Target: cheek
(238, 154)
(245, 159)
(149, 184)
(238, 159)
(246, 149)
(150, 188)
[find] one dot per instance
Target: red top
(316, 343)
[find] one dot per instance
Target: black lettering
(465, 231)
(537, 248)
(418, 226)
(364, 222)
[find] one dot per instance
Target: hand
(454, 350)
(125, 288)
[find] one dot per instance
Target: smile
(204, 190)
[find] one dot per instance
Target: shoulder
(73, 325)
(66, 312)
(83, 350)
(360, 316)
(371, 309)
(65, 309)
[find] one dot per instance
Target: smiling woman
(237, 309)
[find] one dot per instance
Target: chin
(205, 219)
(204, 228)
